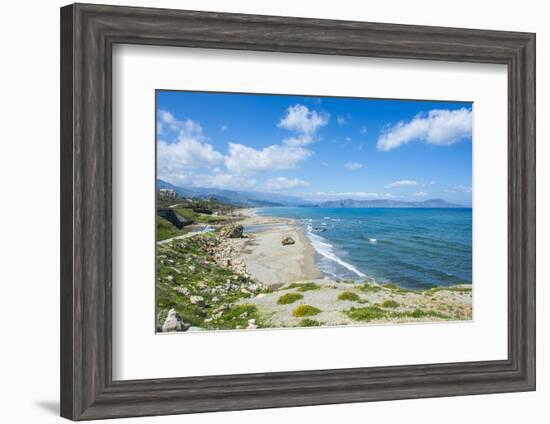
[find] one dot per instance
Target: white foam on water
(326, 250)
(372, 240)
(207, 229)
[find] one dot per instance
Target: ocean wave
(327, 250)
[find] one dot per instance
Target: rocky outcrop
(287, 241)
(232, 231)
(174, 322)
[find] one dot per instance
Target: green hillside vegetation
(166, 229)
(203, 293)
(203, 218)
(202, 211)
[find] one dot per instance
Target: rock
(251, 324)
(222, 308)
(232, 231)
(197, 300)
(182, 290)
(287, 240)
(244, 315)
(174, 322)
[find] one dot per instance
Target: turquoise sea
(413, 248)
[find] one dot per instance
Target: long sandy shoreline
(226, 281)
(267, 259)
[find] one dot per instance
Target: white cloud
(353, 165)
(224, 180)
(282, 183)
(188, 159)
(432, 182)
(421, 194)
(166, 117)
(341, 120)
(304, 122)
(210, 180)
(299, 140)
(324, 164)
(364, 130)
(188, 151)
(438, 127)
(463, 189)
(243, 159)
(223, 128)
(401, 183)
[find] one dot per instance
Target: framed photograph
(265, 211)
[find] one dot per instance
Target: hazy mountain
(385, 203)
(255, 198)
(240, 198)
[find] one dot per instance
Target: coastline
(267, 259)
(241, 275)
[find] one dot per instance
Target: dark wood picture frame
(88, 33)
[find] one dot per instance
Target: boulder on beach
(287, 240)
(232, 231)
(174, 322)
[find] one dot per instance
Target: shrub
(347, 295)
(390, 304)
(308, 322)
(302, 287)
(305, 311)
(288, 298)
(367, 313)
(367, 287)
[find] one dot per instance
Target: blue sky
(319, 148)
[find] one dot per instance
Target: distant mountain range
(385, 203)
(253, 198)
(239, 198)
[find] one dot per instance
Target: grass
(368, 287)
(366, 313)
(455, 289)
(350, 296)
(420, 313)
(303, 287)
(288, 298)
(308, 322)
(372, 313)
(390, 304)
(185, 213)
(199, 217)
(166, 230)
(235, 317)
(305, 311)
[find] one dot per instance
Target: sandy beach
(267, 259)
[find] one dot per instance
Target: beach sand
(265, 257)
